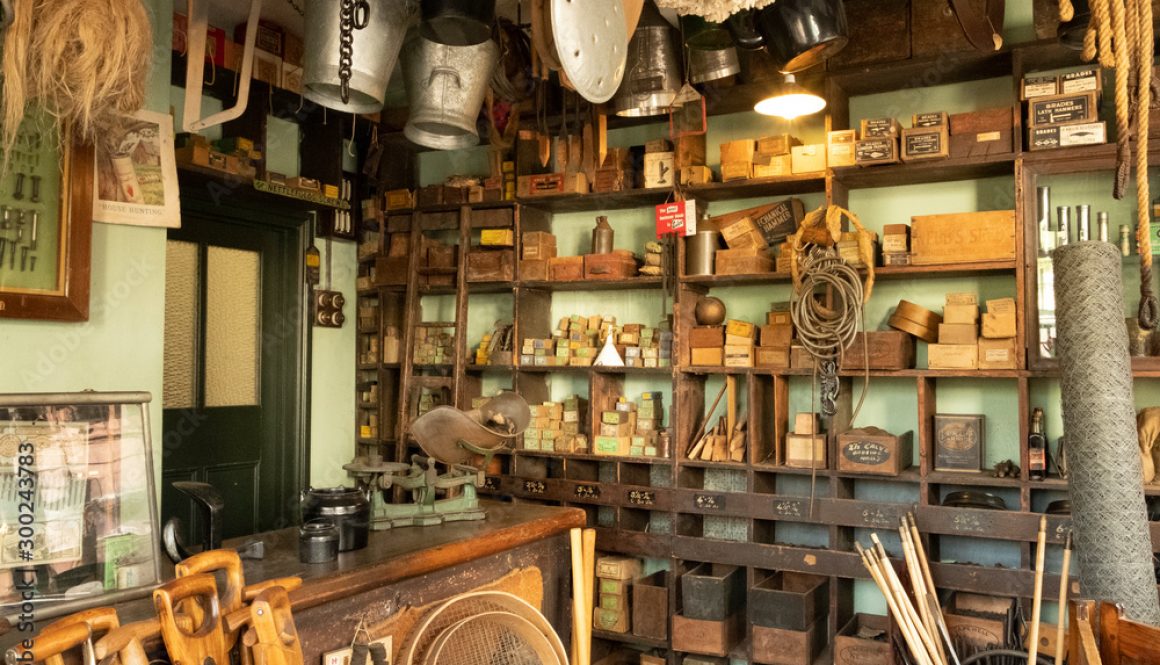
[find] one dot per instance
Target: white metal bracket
(198, 10)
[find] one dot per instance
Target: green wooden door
(233, 342)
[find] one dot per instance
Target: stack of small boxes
(1063, 111)
(771, 156)
(740, 337)
(650, 417)
(775, 339)
(927, 138)
(614, 576)
(576, 343)
(806, 447)
(645, 346)
(550, 429)
(879, 142)
(434, 345)
(774, 156)
(850, 251)
(537, 249)
(896, 245)
(960, 345)
(495, 346)
(958, 334)
(997, 346)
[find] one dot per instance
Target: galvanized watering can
(446, 86)
(374, 52)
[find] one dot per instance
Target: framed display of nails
(46, 207)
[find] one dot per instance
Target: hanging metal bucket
(457, 22)
(652, 74)
(712, 65)
(375, 49)
(446, 86)
(797, 33)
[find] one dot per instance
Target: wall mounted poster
(136, 174)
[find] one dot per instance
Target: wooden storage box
(431, 195)
(919, 143)
(616, 265)
(1063, 109)
(613, 179)
(959, 442)
(979, 144)
(695, 175)
(617, 568)
(712, 638)
(741, 232)
(744, 261)
(490, 265)
(773, 166)
(613, 621)
(888, 349)
(650, 607)
(707, 357)
(962, 237)
(975, 632)
(808, 158)
(779, 646)
(534, 270)
(850, 649)
(550, 184)
(876, 150)
(771, 357)
(713, 591)
(994, 119)
(998, 354)
(875, 451)
(706, 336)
(400, 199)
(538, 245)
(566, 268)
(798, 451)
(952, 356)
(736, 171)
(789, 600)
(391, 270)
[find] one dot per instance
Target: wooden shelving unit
(688, 512)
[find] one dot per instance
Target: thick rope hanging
(1120, 34)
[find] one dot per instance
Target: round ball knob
(710, 311)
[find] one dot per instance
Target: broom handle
(1060, 647)
(1037, 598)
(577, 592)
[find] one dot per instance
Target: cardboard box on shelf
(808, 158)
(952, 356)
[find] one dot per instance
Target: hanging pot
(445, 87)
(457, 22)
(375, 50)
(702, 34)
(652, 73)
(705, 65)
(797, 33)
(1071, 34)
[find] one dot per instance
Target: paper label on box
(924, 144)
(679, 217)
(997, 355)
(987, 137)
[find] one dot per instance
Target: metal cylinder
(652, 73)
(1102, 226)
(711, 65)
(1063, 232)
(1083, 222)
(318, 541)
(374, 51)
(1125, 240)
(457, 22)
(1108, 510)
(445, 87)
(701, 249)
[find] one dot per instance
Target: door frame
(284, 468)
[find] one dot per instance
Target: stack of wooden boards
(558, 426)
(1063, 110)
(632, 429)
(577, 339)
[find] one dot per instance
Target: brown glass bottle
(1036, 447)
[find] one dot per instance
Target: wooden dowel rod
(1037, 598)
(912, 641)
(1065, 571)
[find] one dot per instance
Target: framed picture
(46, 208)
(136, 173)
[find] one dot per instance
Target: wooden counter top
(390, 556)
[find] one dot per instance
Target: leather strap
(984, 30)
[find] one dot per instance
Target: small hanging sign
(679, 217)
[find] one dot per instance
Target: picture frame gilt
(46, 216)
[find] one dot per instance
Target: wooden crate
(490, 265)
(534, 270)
(650, 607)
(617, 265)
(996, 119)
(778, 646)
(711, 638)
(771, 357)
(875, 451)
(888, 349)
(962, 237)
(566, 268)
(742, 261)
(713, 591)
(849, 649)
(789, 600)
(706, 336)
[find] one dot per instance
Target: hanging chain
(355, 16)
(296, 7)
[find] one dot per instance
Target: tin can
(701, 251)
(318, 541)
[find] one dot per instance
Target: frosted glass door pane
(179, 380)
(233, 306)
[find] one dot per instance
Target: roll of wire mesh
(1107, 495)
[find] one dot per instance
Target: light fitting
(790, 101)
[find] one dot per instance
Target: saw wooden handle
(100, 619)
(288, 583)
(226, 561)
(125, 642)
(206, 639)
(53, 642)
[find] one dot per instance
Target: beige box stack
(851, 253)
(997, 346)
(556, 427)
(775, 338)
(740, 337)
(650, 416)
(614, 577)
(614, 436)
(434, 345)
(806, 446)
(958, 334)
(577, 340)
(896, 245)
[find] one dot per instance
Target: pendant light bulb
(790, 101)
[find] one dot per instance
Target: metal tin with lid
(347, 507)
(318, 541)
